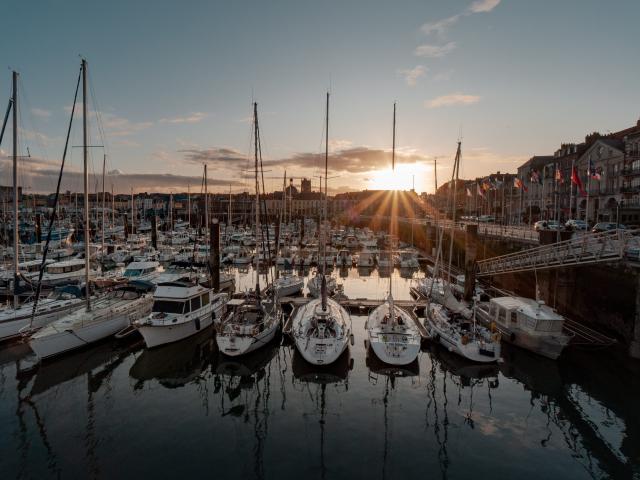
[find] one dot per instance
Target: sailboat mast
(257, 202)
(393, 168)
(133, 213)
(16, 236)
(104, 163)
(85, 157)
(454, 184)
(326, 169)
(206, 207)
(189, 206)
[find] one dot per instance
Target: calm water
(119, 411)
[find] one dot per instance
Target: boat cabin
(65, 267)
(526, 314)
(179, 298)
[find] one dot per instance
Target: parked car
(607, 226)
(546, 225)
(575, 224)
(486, 218)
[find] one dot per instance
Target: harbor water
(117, 410)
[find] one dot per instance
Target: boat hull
(64, 340)
(157, 335)
(236, 345)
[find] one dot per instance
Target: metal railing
(580, 250)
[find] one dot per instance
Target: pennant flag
(480, 190)
(486, 185)
(468, 192)
(575, 179)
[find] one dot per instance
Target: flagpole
(571, 190)
(586, 215)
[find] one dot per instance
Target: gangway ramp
(584, 249)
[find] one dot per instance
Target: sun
(402, 178)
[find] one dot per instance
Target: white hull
(13, 327)
(236, 345)
(62, 340)
(160, 335)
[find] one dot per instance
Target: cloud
(483, 6)
(435, 51)
(452, 99)
(39, 112)
(114, 125)
(350, 160)
(193, 117)
(441, 26)
(412, 75)
(40, 176)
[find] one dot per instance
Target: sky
(172, 86)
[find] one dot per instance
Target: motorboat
(527, 323)
(180, 309)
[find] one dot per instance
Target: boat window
(502, 314)
(187, 308)
(514, 317)
(195, 303)
(205, 299)
(166, 306)
(132, 273)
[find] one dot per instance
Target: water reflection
(272, 415)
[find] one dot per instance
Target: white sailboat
(250, 322)
(392, 334)
(321, 329)
(450, 323)
(110, 313)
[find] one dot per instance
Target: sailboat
(31, 315)
(449, 322)
(322, 328)
(110, 313)
(288, 283)
(252, 321)
(392, 334)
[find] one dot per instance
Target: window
(195, 304)
(166, 306)
(205, 299)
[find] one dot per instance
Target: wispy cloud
(412, 75)
(435, 51)
(483, 6)
(39, 112)
(452, 99)
(440, 27)
(193, 117)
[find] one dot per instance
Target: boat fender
(352, 339)
(464, 339)
(197, 320)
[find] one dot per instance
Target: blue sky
(174, 82)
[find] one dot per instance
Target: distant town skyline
(173, 85)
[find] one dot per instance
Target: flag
(519, 184)
(559, 177)
(594, 172)
(597, 175)
(535, 176)
(486, 185)
(468, 192)
(480, 190)
(575, 179)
